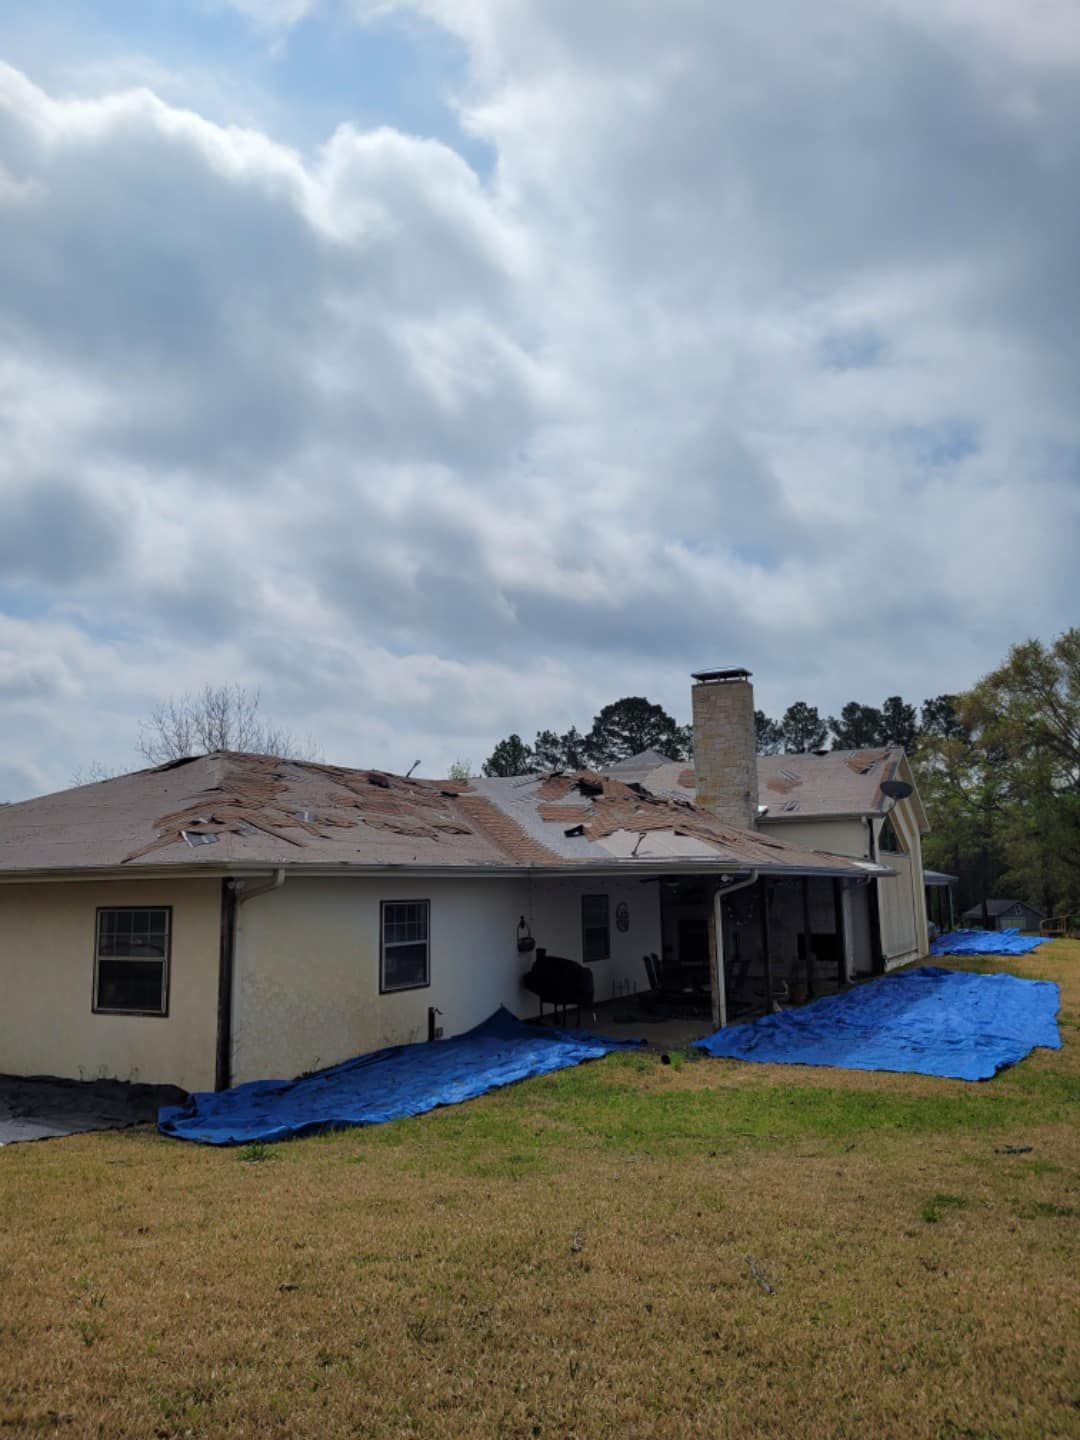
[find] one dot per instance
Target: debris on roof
(838, 782)
(227, 809)
(627, 822)
(250, 796)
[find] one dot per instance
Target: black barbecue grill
(560, 982)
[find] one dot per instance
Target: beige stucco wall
(47, 1025)
(902, 898)
(306, 990)
(557, 926)
(835, 837)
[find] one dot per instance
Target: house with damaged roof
(230, 917)
(860, 803)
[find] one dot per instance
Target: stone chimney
(725, 745)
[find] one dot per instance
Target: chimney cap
(708, 677)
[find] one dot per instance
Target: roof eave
(684, 865)
(802, 815)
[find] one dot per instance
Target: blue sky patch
(851, 349)
(299, 84)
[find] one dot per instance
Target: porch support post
(717, 981)
(766, 936)
(841, 933)
(808, 938)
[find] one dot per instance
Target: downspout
(719, 982)
(233, 895)
(877, 944)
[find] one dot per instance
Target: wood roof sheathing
(229, 809)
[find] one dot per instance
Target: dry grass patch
(623, 1249)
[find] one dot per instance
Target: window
(131, 961)
(405, 945)
(595, 927)
(888, 840)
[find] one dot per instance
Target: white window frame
(595, 959)
(164, 960)
(385, 946)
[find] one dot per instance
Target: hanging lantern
(525, 939)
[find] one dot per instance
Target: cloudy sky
(450, 367)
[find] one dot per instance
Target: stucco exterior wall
(306, 988)
(47, 1024)
(835, 837)
(902, 898)
(556, 924)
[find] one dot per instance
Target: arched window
(889, 842)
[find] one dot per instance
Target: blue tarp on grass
(926, 1022)
(986, 942)
(403, 1080)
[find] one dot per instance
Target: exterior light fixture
(525, 941)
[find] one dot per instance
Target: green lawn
(625, 1249)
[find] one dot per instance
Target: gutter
(234, 893)
(677, 865)
(815, 817)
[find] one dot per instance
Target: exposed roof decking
(564, 813)
(232, 810)
(838, 783)
(259, 809)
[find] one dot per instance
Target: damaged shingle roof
(228, 809)
(583, 815)
(841, 782)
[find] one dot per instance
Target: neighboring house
(231, 916)
(1004, 915)
(833, 801)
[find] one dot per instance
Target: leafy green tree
(1027, 712)
(899, 723)
(510, 757)
(552, 751)
(573, 749)
(547, 750)
(940, 717)
(999, 771)
(628, 726)
(964, 792)
(803, 728)
(768, 734)
(857, 728)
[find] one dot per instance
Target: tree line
(1001, 782)
(627, 727)
(998, 766)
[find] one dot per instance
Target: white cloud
(755, 346)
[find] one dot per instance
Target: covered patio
(747, 945)
(733, 946)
